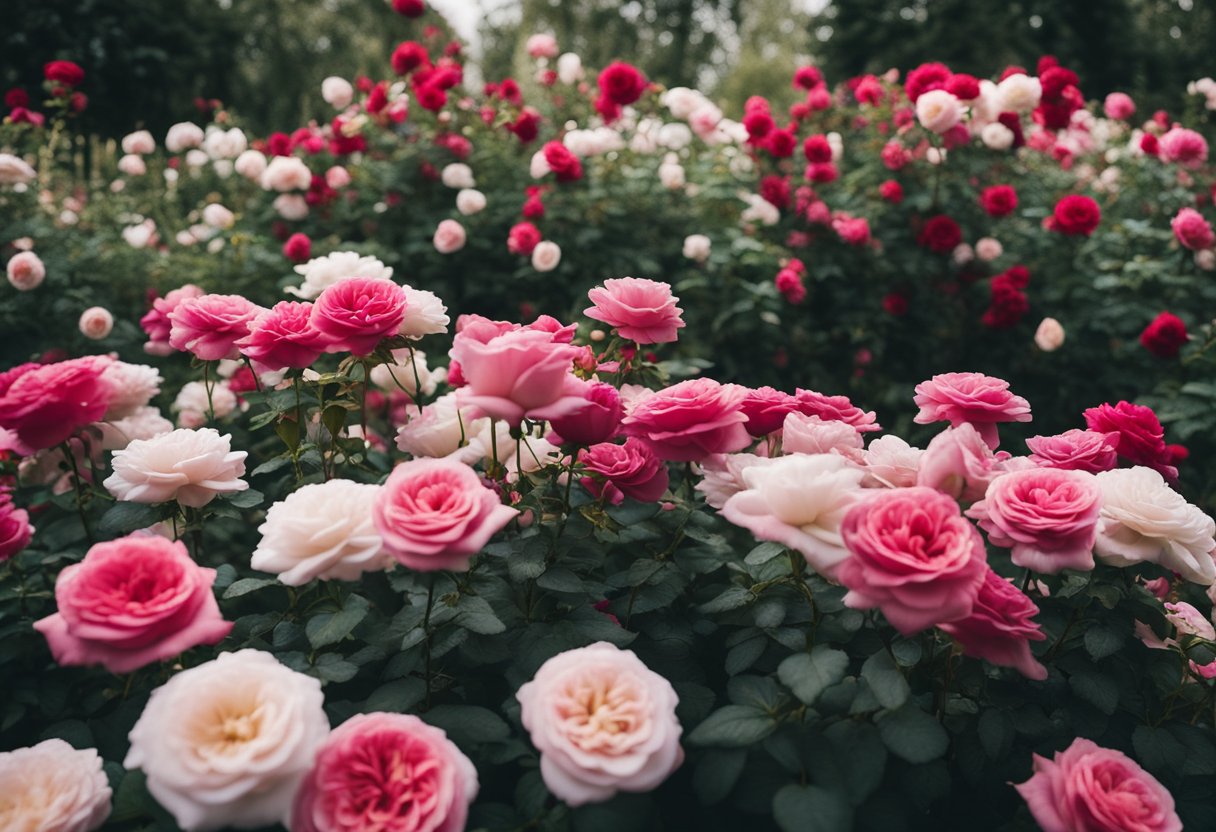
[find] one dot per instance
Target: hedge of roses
(571, 456)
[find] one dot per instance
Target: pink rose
(999, 629)
(640, 310)
(541, 45)
(618, 471)
(356, 314)
(208, 326)
(603, 723)
(436, 514)
(722, 475)
(1048, 516)
(801, 434)
(1118, 105)
(890, 462)
(1141, 439)
(1075, 450)
(156, 322)
(597, 422)
(766, 409)
(388, 773)
(15, 528)
(1087, 787)
(450, 237)
(45, 404)
(959, 463)
(25, 271)
(1192, 230)
(971, 398)
(690, 420)
(914, 556)
(132, 602)
(1189, 621)
(283, 337)
(1185, 147)
(523, 238)
(835, 409)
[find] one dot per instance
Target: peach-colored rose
(52, 787)
(96, 323)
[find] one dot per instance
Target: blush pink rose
(388, 773)
(450, 237)
(208, 326)
(603, 723)
(53, 787)
(1047, 516)
(835, 409)
(513, 374)
(1087, 787)
(912, 555)
(15, 528)
(44, 404)
(999, 629)
(1141, 438)
(619, 471)
(156, 322)
(801, 434)
(436, 514)
(1118, 105)
(1075, 450)
(690, 420)
(282, 337)
(356, 314)
(959, 463)
(132, 602)
(766, 409)
(971, 398)
(640, 310)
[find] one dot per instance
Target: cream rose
(546, 256)
(425, 314)
(337, 92)
(938, 111)
(251, 164)
(144, 423)
(286, 173)
(997, 136)
(1019, 93)
(322, 272)
(697, 247)
(15, 171)
(457, 175)
(569, 68)
(401, 376)
(96, 323)
(189, 466)
(470, 201)
(52, 787)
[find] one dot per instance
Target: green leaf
(1097, 689)
(475, 613)
(1102, 640)
(808, 674)
(913, 735)
(334, 668)
(560, 579)
(468, 724)
(398, 696)
(249, 498)
(331, 627)
(247, 585)
(733, 726)
(996, 733)
(716, 774)
(811, 809)
(763, 553)
(733, 598)
(124, 517)
(886, 682)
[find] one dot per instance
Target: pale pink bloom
(801, 434)
(449, 237)
(189, 466)
(938, 111)
(959, 463)
(1049, 336)
(1118, 105)
(25, 271)
(53, 787)
(1189, 621)
(722, 476)
(286, 173)
(96, 323)
(541, 45)
(1076, 450)
(513, 374)
(891, 462)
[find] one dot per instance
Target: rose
(63, 72)
(621, 83)
(470, 201)
(618, 471)
(546, 256)
(208, 326)
(1076, 215)
(802, 434)
(156, 322)
(45, 404)
(337, 92)
(766, 409)
(322, 272)
(799, 501)
(890, 462)
(1185, 147)
(322, 530)
(640, 310)
(603, 723)
(1140, 439)
(914, 556)
(189, 466)
(1019, 93)
(541, 45)
(523, 238)
(1049, 336)
(938, 111)
(1087, 787)
(1047, 516)
(15, 171)
(970, 398)
(53, 787)
(1143, 519)
(131, 602)
(1000, 629)
(697, 247)
(251, 164)
(449, 237)
(389, 773)
(1192, 230)
(690, 420)
(286, 173)
(436, 514)
(597, 422)
(228, 742)
(1076, 450)
(425, 314)
(562, 162)
(283, 337)
(1189, 621)
(144, 423)
(25, 271)
(291, 207)
(457, 175)
(940, 234)
(999, 200)
(438, 429)
(195, 403)
(997, 136)
(835, 408)
(96, 323)
(988, 249)
(569, 68)
(15, 529)
(356, 314)
(517, 374)
(1119, 106)
(183, 136)
(407, 371)
(1164, 336)
(132, 165)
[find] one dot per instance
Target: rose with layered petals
(912, 555)
(1165, 335)
(53, 787)
(356, 314)
(383, 772)
(766, 410)
(15, 528)
(631, 470)
(621, 83)
(1184, 147)
(802, 434)
(1075, 450)
(44, 404)
(131, 387)
(436, 514)
(835, 409)
(1094, 789)
(227, 743)
(132, 602)
(640, 310)
(890, 462)
(25, 271)
(999, 629)
(208, 326)
(156, 322)
(690, 420)
(282, 337)
(599, 421)
(1192, 230)
(192, 467)
(970, 398)
(603, 723)
(449, 237)
(1076, 215)
(1140, 439)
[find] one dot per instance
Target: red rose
(758, 124)
(776, 190)
(409, 8)
(1149, 144)
(63, 72)
(298, 248)
(999, 200)
(1165, 336)
(1076, 214)
(964, 87)
(808, 78)
(16, 97)
(1141, 439)
(891, 191)
(621, 83)
(1014, 123)
(816, 149)
(522, 238)
(940, 234)
(895, 303)
(527, 126)
(562, 162)
(781, 143)
(926, 77)
(408, 56)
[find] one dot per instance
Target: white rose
(760, 210)
(251, 164)
(569, 68)
(144, 423)
(132, 165)
(322, 272)
(671, 176)
(704, 121)
(449, 237)
(675, 136)
(997, 136)
(52, 787)
(217, 216)
(141, 235)
(286, 173)
(25, 271)
(96, 323)
(437, 430)
(196, 158)
(1049, 337)
(139, 143)
(1143, 519)
(458, 175)
(225, 144)
(227, 743)
(722, 475)
(802, 434)
(986, 108)
(189, 466)
(891, 462)
(191, 403)
(938, 111)
(425, 314)
(1019, 93)
(323, 530)
(470, 201)
(1206, 259)
(697, 247)
(131, 386)
(223, 168)
(682, 101)
(337, 92)
(291, 207)
(183, 136)
(400, 376)
(546, 256)
(538, 166)
(15, 171)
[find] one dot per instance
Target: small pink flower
(690, 420)
(1000, 629)
(1087, 787)
(208, 326)
(1118, 105)
(356, 314)
(282, 337)
(971, 398)
(618, 471)
(132, 602)
(1192, 230)
(15, 528)
(640, 310)
(450, 237)
(45, 404)
(1185, 147)
(156, 322)
(1075, 450)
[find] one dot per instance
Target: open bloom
(690, 420)
(640, 310)
(603, 723)
(208, 326)
(971, 398)
(53, 787)
(618, 471)
(356, 314)
(44, 404)
(190, 466)
(1000, 628)
(283, 336)
(15, 529)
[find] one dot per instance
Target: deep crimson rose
(408, 56)
(940, 234)
(776, 190)
(964, 87)
(45, 404)
(999, 200)
(1014, 123)
(895, 303)
(1008, 303)
(298, 248)
(621, 83)
(617, 471)
(691, 420)
(781, 143)
(1000, 629)
(564, 164)
(354, 315)
(816, 149)
(409, 8)
(522, 238)
(63, 72)
(1165, 336)
(1076, 214)
(891, 191)
(930, 76)
(527, 126)
(16, 97)
(1140, 437)
(758, 124)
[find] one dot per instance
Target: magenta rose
(356, 314)
(1047, 516)
(640, 310)
(835, 409)
(208, 326)
(766, 409)
(436, 514)
(388, 773)
(690, 420)
(971, 398)
(597, 422)
(999, 629)
(15, 528)
(132, 602)
(44, 404)
(1087, 787)
(912, 555)
(1075, 450)
(1141, 439)
(156, 322)
(283, 337)
(618, 471)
